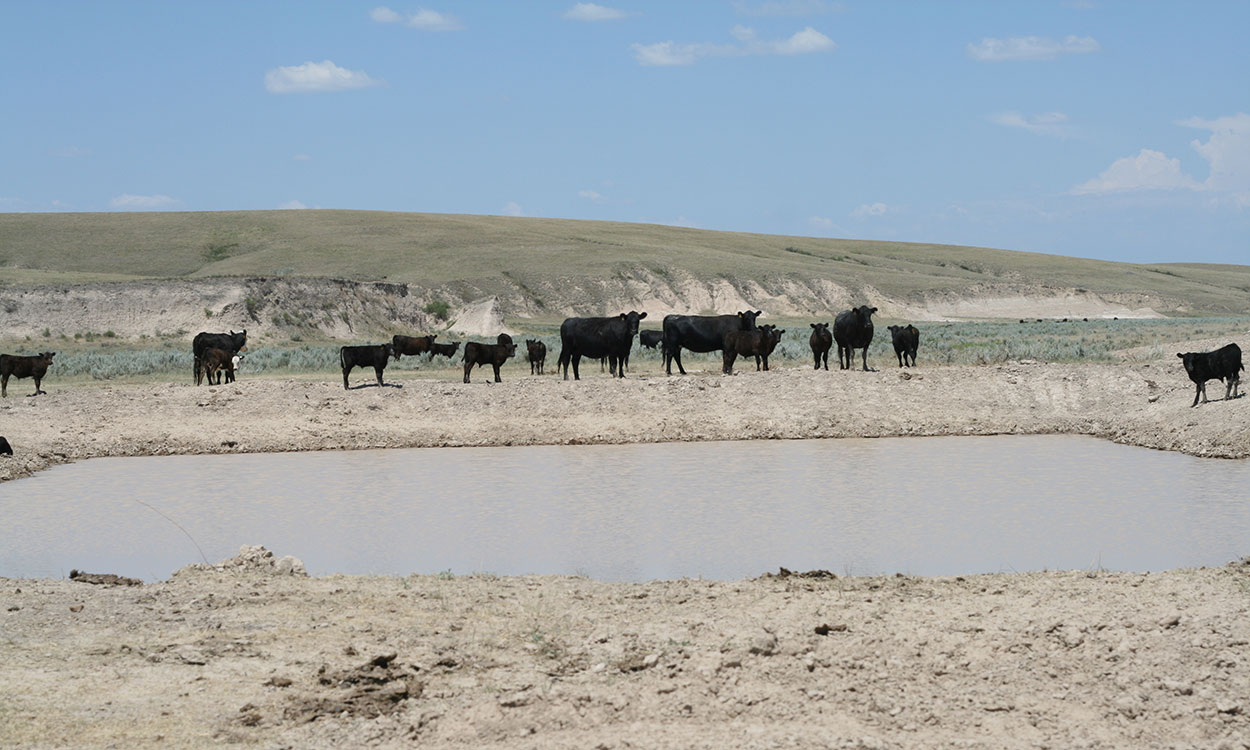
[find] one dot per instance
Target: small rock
(1228, 707)
(279, 682)
(651, 660)
(1178, 687)
(764, 644)
(1170, 621)
(76, 608)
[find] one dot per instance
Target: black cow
(597, 338)
(488, 354)
(371, 355)
(412, 345)
(650, 339)
(1222, 364)
(821, 342)
(444, 350)
(701, 333)
(5, 448)
(758, 343)
(212, 361)
(906, 341)
(536, 353)
(35, 366)
(231, 342)
(852, 329)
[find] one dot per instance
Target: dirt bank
(245, 654)
(1143, 404)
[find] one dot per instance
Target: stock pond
(924, 506)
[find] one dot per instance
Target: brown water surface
(925, 506)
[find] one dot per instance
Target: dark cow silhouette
(1222, 364)
(444, 350)
(412, 345)
(536, 353)
(488, 354)
(5, 448)
(758, 343)
(821, 342)
(18, 366)
(212, 361)
(906, 341)
(231, 342)
(701, 333)
(650, 339)
(371, 355)
(610, 337)
(852, 329)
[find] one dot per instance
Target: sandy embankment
(1143, 404)
(1060, 660)
(241, 655)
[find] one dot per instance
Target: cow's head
(894, 329)
(238, 341)
(389, 351)
(820, 326)
(1188, 360)
(631, 319)
(505, 341)
(863, 314)
(47, 356)
(747, 319)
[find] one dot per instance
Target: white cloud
(1031, 48)
(592, 12)
(671, 53)
(590, 195)
(142, 202)
(292, 206)
(788, 8)
(1048, 123)
(382, 14)
(314, 77)
(1227, 150)
(1149, 170)
(820, 222)
(424, 19)
(870, 209)
(512, 208)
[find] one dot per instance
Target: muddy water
(926, 506)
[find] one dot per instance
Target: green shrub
(439, 309)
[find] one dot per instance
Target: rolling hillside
(313, 268)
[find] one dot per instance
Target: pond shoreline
(1143, 404)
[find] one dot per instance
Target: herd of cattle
(610, 339)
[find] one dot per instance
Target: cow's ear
(1182, 356)
(739, 315)
(642, 315)
(622, 316)
(759, 313)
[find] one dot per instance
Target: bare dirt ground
(252, 652)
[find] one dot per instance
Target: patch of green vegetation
(438, 308)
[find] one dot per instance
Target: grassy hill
(471, 255)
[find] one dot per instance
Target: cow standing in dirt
(24, 367)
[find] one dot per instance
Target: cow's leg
(1197, 393)
(195, 370)
(899, 354)
(677, 359)
(378, 371)
(467, 366)
(866, 359)
(727, 361)
(4, 385)
(765, 358)
(496, 366)
(345, 371)
(37, 391)
(577, 363)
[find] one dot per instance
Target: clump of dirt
(251, 559)
(378, 687)
(787, 573)
(103, 579)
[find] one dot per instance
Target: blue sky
(1116, 130)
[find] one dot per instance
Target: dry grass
(490, 252)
